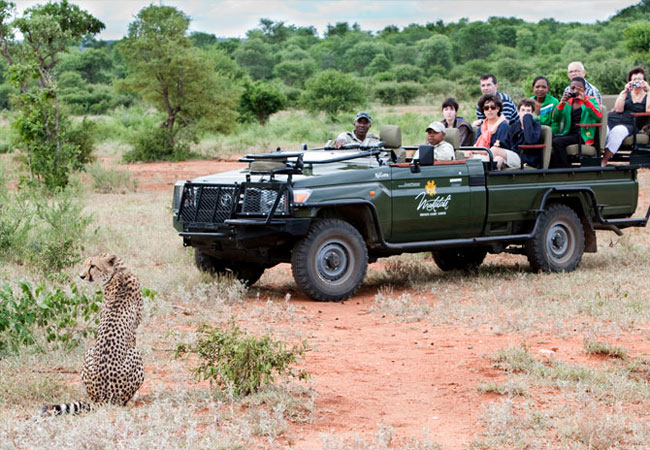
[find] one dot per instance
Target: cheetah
(113, 369)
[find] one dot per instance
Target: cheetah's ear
(112, 259)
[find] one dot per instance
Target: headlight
(178, 193)
(261, 201)
(301, 195)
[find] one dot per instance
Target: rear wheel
(247, 273)
(467, 258)
(559, 242)
(330, 262)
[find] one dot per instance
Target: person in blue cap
(359, 135)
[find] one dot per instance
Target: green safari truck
(331, 212)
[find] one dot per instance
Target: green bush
(384, 76)
(391, 93)
(261, 99)
(36, 317)
(6, 90)
(408, 72)
(82, 135)
(155, 144)
(236, 361)
(44, 230)
(332, 91)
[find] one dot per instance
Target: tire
(559, 242)
(330, 263)
(468, 258)
(247, 273)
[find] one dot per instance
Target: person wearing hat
(442, 150)
(359, 135)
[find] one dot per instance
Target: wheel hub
(332, 261)
(558, 242)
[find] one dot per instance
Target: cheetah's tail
(65, 408)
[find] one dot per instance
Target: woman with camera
(620, 123)
(574, 108)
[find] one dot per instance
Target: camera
(636, 84)
(572, 94)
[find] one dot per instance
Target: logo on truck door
(436, 206)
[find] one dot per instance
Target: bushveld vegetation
(275, 80)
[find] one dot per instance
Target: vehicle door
(440, 201)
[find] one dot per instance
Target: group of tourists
(504, 128)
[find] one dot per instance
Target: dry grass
(583, 406)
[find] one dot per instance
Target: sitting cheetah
(113, 369)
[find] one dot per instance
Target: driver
(360, 135)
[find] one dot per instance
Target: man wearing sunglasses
(490, 86)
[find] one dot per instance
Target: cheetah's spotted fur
(113, 370)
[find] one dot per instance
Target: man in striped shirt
(489, 85)
(576, 69)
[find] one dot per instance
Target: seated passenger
(493, 134)
(526, 131)
(451, 120)
(545, 103)
(489, 85)
(620, 124)
(582, 110)
(360, 135)
(577, 69)
(442, 150)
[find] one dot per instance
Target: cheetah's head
(101, 267)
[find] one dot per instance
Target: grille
(208, 204)
(260, 201)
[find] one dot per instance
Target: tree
(332, 91)
(474, 41)
(293, 72)
(262, 99)
(257, 57)
(435, 51)
(51, 154)
(637, 38)
(93, 64)
(175, 77)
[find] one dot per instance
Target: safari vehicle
(331, 212)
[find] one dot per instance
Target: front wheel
(559, 242)
(330, 262)
(247, 273)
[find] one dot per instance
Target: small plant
(43, 229)
(232, 359)
(600, 348)
(34, 316)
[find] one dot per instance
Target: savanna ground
(419, 359)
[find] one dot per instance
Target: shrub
(35, 317)
(46, 231)
(384, 76)
(261, 99)
(82, 135)
(154, 144)
(232, 359)
(392, 93)
(408, 72)
(332, 91)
